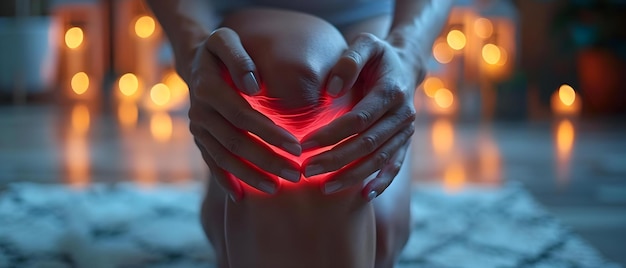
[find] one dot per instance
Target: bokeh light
(442, 52)
(74, 37)
(431, 85)
(145, 26)
(127, 114)
(160, 94)
(483, 28)
(442, 137)
(491, 54)
(454, 177)
(444, 98)
(128, 84)
(80, 83)
(567, 95)
(456, 39)
(161, 126)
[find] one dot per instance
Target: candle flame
(567, 95)
(80, 83)
(456, 39)
(145, 26)
(74, 37)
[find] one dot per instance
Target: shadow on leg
(393, 217)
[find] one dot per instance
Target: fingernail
(313, 170)
(250, 86)
(267, 187)
(309, 144)
(334, 86)
(290, 175)
(371, 195)
(292, 148)
(331, 187)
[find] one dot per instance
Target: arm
(187, 23)
(220, 118)
(387, 71)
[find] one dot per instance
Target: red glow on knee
(299, 122)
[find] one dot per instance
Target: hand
(383, 120)
(221, 120)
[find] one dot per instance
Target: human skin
(395, 54)
(299, 226)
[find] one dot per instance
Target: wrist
(412, 53)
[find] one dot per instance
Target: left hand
(383, 119)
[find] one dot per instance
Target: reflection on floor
(575, 167)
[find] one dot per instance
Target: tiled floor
(574, 167)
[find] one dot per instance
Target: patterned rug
(125, 225)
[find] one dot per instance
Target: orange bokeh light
(80, 83)
(145, 26)
(74, 37)
(442, 52)
(442, 137)
(567, 95)
(161, 126)
(80, 119)
(483, 28)
(127, 114)
(444, 98)
(456, 39)
(454, 177)
(160, 94)
(128, 84)
(431, 85)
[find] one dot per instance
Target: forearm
(415, 25)
(186, 23)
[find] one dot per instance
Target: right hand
(221, 120)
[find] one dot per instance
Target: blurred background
(531, 91)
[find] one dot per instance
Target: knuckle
(234, 145)
(241, 118)
(382, 158)
(351, 60)
(362, 119)
(367, 38)
(242, 61)
(369, 143)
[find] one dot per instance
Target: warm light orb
(444, 98)
(454, 178)
(127, 114)
(145, 26)
(80, 83)
(442, 137)
(483, 28)
(161, 126)
(565, 137)
(74, 37)
(128, 84)
(491, 53)
(567, 95)
(431, 85)
(160, 94)
(456, 39)
(80, 119)
(442, 52)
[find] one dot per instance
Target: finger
(245, 146)
(348, 68)
(366, 112)
(226, 45)
(230, 185)
(357, 172)
(360, 145)
(209, 89)
(245, 172)
(386, 174)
